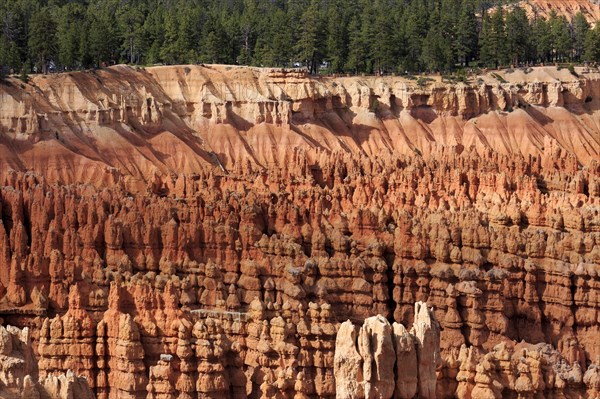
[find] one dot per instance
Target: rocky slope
(124, 126)
(205, 231)
(568, 8)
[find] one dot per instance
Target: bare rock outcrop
(427, 333)
(187, 110)
(523, 370)
(407, 374)
(384, 361)
(348, 363)
(18, 371)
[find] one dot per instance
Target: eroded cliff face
(567, 8)
(163, 239)
(123, 126)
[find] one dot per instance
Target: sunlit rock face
(19, 372)
(230, 232)
(567, 8)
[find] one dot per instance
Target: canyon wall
(123, 126)
(207, 231)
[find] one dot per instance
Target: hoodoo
(212, 231)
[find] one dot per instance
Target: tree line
(360, 36)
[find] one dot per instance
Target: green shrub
(24, 76)
(499, 78)
(374, 107)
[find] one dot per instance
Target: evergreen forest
(326, 36)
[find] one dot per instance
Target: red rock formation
(67, 342)
(93, 134)
(120, 355)
(523, 370)
(171, 270)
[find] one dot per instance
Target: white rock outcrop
(384, 361)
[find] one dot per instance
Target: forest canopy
(360, 36)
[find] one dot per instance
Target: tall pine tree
(592, 44)
(42, 38)
(492, 40)
(310, 44)
(465, 40)
(580, 30)
(517, 35)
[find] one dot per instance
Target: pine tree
(357, 36)
(436, 55)
(188, 36)
(14, 22)
(448, 22)
(130, 20)
(415, 21)
(168, 51)
(10, 58)
(486, 42)
(101, 38)
(357, 53)
(249, 25)
(337, 35)
(592, 44)
(42, 38)
(465, 41)
(542, 39)
(281, 40)
(13, 40)
(273, 40)
(309, 46)
(561, 38)
(381, 36)
(68, 34)
(215, 44)
(499, 31)
(517, 35)
(153, 36)
(580, 30)
(493, 39)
